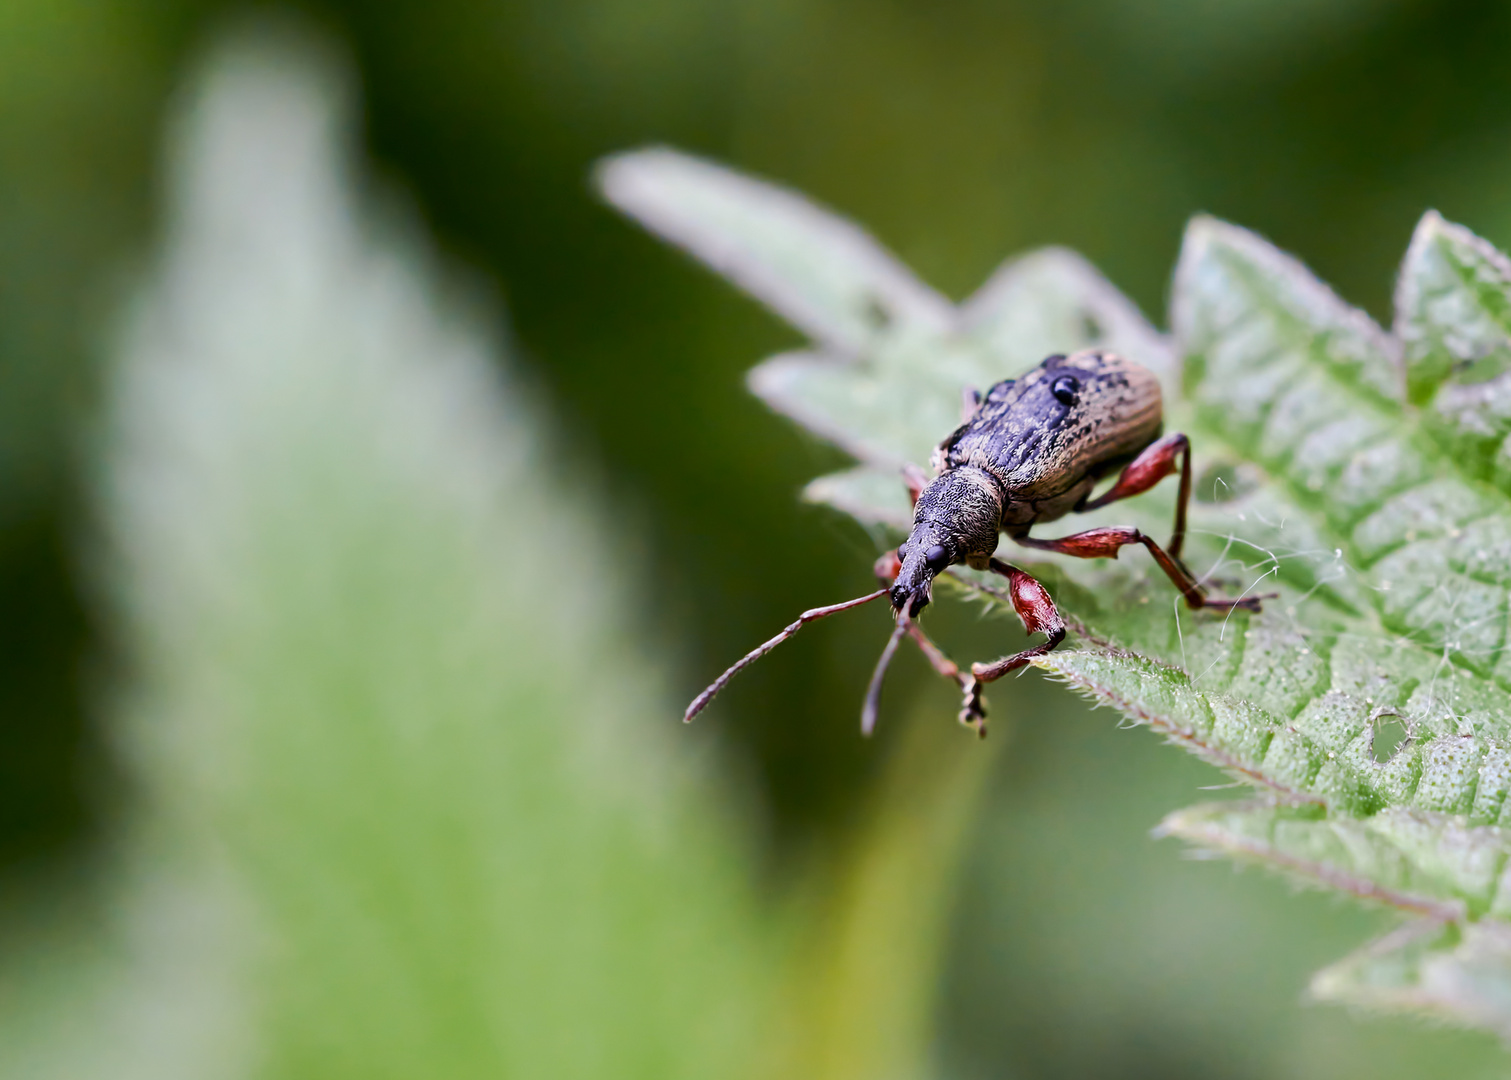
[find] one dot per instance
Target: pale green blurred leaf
(1432, 864)
(861, 998)
(827, 276)
(895, 402)
(409, 805)
(1452, 971)
(886, 388)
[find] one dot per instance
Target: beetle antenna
(873, 692)
(701, 701)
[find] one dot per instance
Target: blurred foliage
(401, 803)
(962, 132)
(404, 795)
(81, 88)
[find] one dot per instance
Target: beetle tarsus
(972, 709)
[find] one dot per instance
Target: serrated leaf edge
(1337, 984)
(1183, 737)
(1185, 825)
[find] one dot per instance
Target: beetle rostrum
(956, 520)
(1029, 452)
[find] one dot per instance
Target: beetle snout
(915, 600)
(922, 560)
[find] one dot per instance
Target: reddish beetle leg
(972, 711)
(1039, 614)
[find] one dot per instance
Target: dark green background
(960, 132)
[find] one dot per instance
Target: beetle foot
(972, 710)
(1248, 603)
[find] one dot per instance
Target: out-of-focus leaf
(410, 804)
(1455, 871)
(1453, 971)
(861, 997)
(866, 492)
(1036, 303)
(822, 272)
(886, 389)
(1313, 479)
(895, 402)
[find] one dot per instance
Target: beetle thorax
(956, 521)
(963, 511)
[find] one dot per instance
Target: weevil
(1028, 452)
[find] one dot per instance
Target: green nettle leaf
(1360, 475)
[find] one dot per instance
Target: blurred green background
(959, 132)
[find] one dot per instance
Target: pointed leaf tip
(1054, 300)
(1224, 268)
(1453, 314)
(820, 271)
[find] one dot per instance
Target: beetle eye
(1065, 389)
(937, 558)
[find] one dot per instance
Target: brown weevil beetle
(1030, 451)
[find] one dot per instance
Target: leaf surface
(1360, 476)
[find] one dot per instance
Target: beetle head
(923, 559)
(956, 521)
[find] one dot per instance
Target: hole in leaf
(1223, 481)
(1091, 327)
(1390, 735)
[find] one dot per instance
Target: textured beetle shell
(1048, 455)
(962, 511)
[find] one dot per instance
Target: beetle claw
(972, 710)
